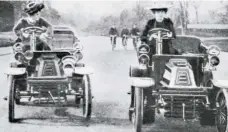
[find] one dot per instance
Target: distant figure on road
(113, 33)
(135, 33)
(125, 34)
(33, 10)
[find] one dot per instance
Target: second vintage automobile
(182, 84)
(51, 77)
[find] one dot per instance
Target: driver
(159, 22)
(33, 10)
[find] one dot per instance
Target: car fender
(83, 70)
(15, 71)
(142, 82)
(220, 83)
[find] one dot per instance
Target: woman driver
(159, 21)
(33, 10)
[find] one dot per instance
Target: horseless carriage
(181, 84)
(49, 77)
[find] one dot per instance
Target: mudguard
(142, 82)
(220, 83)
(15, 71)
(83, 70)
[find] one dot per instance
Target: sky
(94, 9)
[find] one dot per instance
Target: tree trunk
(197, 18)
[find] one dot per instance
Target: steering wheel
(35, 29)
(156, 32)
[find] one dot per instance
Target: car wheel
(138, 112)
(11, 106)
(87, 98)
(132, 103)
(221, 116)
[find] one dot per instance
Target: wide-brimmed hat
(33, 7)
(159, 7)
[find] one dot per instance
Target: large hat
(33, 7)
(158, 7)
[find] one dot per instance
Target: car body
(182, 84)
(51, 77)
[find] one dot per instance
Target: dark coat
(113, 31)
(135, 31)
(23, 23)
(125, 31)
(167, 24)
(167, 44)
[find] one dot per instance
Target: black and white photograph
(113, 66)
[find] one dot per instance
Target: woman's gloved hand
(44, 37)
(25, 35)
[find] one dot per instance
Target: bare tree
(124, 16)
(196, 6)
(183, 11)
(141, 14)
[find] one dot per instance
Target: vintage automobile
(180, 84)
(49, 77)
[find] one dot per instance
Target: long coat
(167, 44)
(113, 31)
(125, 31)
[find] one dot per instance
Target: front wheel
(221, 116)
(138, 112)
(11, 87)
(87, 98)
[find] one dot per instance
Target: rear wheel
(11, 86)
(221, 116)
(138, 112)
(87, 98)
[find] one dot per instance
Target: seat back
(188, 44)
(63, 40)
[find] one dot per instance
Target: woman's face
(159, 15)
(35, 17)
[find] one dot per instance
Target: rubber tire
(11, 104)
(132, 103)
(138, 110)
(224, 94)
(87, 98)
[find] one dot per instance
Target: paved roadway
(110, 84)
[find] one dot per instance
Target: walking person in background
(113, 33)
(125, 34)
(135, 33)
